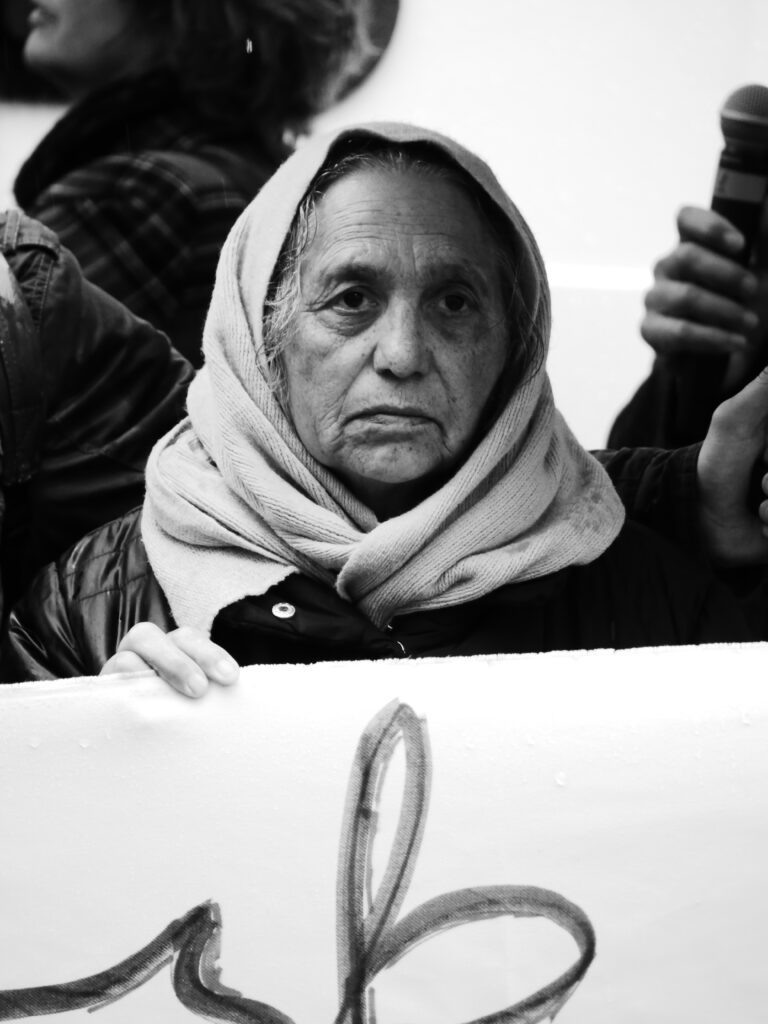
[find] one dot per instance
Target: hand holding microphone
(710, 294)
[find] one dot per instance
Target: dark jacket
(144, 191)
(85, 391)
(673, 407)
(674, 404)
(641, 592)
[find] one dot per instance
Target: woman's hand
(185, 658)
(703, 300)
(733, 521)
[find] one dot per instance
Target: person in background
(86, 389)
(373, 465)
(180, 110)
(706, 318)
(17, 81)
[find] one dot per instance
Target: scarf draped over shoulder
(235, 502)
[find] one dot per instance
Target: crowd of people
(267, 403)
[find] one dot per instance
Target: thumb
(743, 417)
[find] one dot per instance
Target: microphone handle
(741, 184)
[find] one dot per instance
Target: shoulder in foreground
(77, 610)
(106, 558)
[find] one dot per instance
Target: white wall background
(599, 117)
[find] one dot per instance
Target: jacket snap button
(283, 610)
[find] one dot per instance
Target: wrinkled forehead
(260, 234)
(407, 223)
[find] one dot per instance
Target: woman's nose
(401, 347)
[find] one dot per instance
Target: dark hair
(366, 151)
(259, 67)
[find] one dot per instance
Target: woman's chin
(35, 49)
(393, 487)
(399, 472)
(41, 57)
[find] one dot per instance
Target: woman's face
(400, 334)
(82, 44)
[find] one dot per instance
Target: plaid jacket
(144, 197)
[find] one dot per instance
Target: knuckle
(663, 266)
(110, 666)
(696, 223)
(685, 331)
(654, 330)
(120, 660)
(657, 298)
(146, 629)
(196, 646)
(648, 328)
(175, 662)
(688, 254)
(124, 661)
(140, 633)
(685, 215)
(184, 634)
(722, 417)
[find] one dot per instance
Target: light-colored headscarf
(235, 502)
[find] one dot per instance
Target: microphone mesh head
(744, 116)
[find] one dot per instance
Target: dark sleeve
(72, 618)
(112, 385)
(723, 618)
(148, 230)
(658, 488)
(38, 641)
(673, 406)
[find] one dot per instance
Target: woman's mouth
(388, 413)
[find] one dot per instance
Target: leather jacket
(86, 389)
(640, 592)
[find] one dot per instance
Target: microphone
(741, 186)
(741, 182)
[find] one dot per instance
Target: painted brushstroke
(369, 942)
(369, 936)
(191, 944)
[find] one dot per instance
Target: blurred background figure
(180, 110)
(17, 81)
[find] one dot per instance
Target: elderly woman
(372, 465)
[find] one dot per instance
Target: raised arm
(707, 320)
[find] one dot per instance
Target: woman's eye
(455, 302)
(352, 298)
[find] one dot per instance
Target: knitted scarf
(235, 502)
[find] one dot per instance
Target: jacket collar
(141, 112)
(305, 611)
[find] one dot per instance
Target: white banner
(415, 842)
